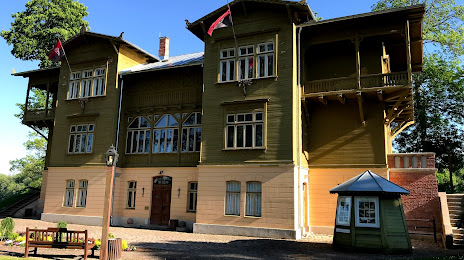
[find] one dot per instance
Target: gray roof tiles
(173, 62)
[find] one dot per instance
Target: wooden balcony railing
(40, 114)
(350, 83)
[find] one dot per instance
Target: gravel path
(152, 244)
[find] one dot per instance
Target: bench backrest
(53, 236)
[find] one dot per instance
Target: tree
(34, 32)
(439, 89)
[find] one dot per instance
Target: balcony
(411, 160)
(39, 116)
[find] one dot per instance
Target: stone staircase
(456, 213)
(11, 210)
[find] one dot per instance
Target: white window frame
(74, 85)
(82, 194)
(266, 54)
(146, 130)
(188, 128)
(69, 194)
(233, 197)
(83, 132)
(373, 199)
(165, 130)
(340, 209)
(192, 197)
(99, 82)
(254, 123)
(245, 61)
(131, 194)
(254, 200)
(87, 83)
(229, 61)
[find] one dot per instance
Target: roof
(30, 72)
(185, 60)
(115, 39)
(368, 183)
(196, 27)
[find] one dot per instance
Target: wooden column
(358, 61)
(408, 51)
(27, 100)
(107, 212)
(46, 101)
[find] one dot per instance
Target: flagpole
(233, 28)
(66, 57)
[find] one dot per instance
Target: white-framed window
(74, 85)
(166, 135)
(99, 82)
(69, 194)
(191, 133)
(131, 194)
(246, 62)
(265, 59)
(233, 198)
(227, 65)
(192, 197)
(343, 210)
(87, 83)
(138, 136)
(82, 193)
(245, 130)
(253, 199)
(367, 211)
(81, 138)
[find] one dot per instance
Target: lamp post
(111, 157)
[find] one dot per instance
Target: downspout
(117, 145)
(300, 209)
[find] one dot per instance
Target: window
(69, 194)
(166, 135)
(138, 136)
(253, 199)
(131, 192)
(87, 83)
(367, 212)
(82, 194)
(245, 131)
(192, 196)
(265, 59)
(227, 65)
(81, 139)
(233, 198)
(343, 210)
(246, 62)
(191, 133)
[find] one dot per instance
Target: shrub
(62, 224)
(124, 245)
(20, 239)
(6, 227)
(110, 235)
(13, 236)
(98, 243)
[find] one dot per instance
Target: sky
(142, 22)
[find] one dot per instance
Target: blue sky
(141, 21)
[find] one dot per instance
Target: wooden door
(160, 204)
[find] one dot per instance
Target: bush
(6, 227)
(62, 224)
(110, 235)
(20, 239)
(124, 245)
(13, 236)
(98, 243)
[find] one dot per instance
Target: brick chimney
(164, 48)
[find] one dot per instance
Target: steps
(456, 213)
(11, 210)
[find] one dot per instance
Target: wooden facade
(324, 103)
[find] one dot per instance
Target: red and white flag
(57, 53)
(224, 20)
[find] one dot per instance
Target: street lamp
(111, 158)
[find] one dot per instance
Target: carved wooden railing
(39, 114)
(350, 83)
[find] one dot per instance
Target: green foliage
(6, 227)
(110, 235)
(20, 239)
(13, 236)
(34, 31)
(97, 244)
(62, 224)
(443, 181)
(124, 245)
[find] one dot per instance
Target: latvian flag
(224, 20)
(57, 53)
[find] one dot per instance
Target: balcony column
(27, 99)
(358, 60)
(408, 51)
(46, 100)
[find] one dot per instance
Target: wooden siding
(263, 26)
(337, 137)
(277, 196)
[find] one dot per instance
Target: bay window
(165, 135)
(191, 133)
(138, 136)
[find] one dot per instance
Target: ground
(153, 244)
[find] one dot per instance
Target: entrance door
(161, 200)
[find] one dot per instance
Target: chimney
(164, 48)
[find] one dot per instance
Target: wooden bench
(58, 238)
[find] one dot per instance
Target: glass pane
(73, 128)
(223, 71)
(147, 141)
(241, 118)
(169, 140)
(223, 54)
(250, 68)
(233, 186)
(162, 140)
(241, 66)
(259, 116)
(270, 46)
(184, 140)
(78, 143)
(198, 118)
(143, 122)
(262, 48)
(230, 118)
(230, 137)
(191, 201)
(231, 53)
(190, 120)
(231, 70)
(83, 138)
(128, 142)
(191, 137)
(174, 140)
(242, 51)
(71, 144)
(259, 135)
(89, 143)
(249, 136)
(161, 122)
(129, 200)
(172, 121)
(270, 65)
(79, 128)
(91, 127)
(84, 128)
(239, 136)
(198, 139)
(141, 142)
(249, 117)
(135, 137)
(135, 123)
(250, 50)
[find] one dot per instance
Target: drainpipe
(117, 145)
(300, 209)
